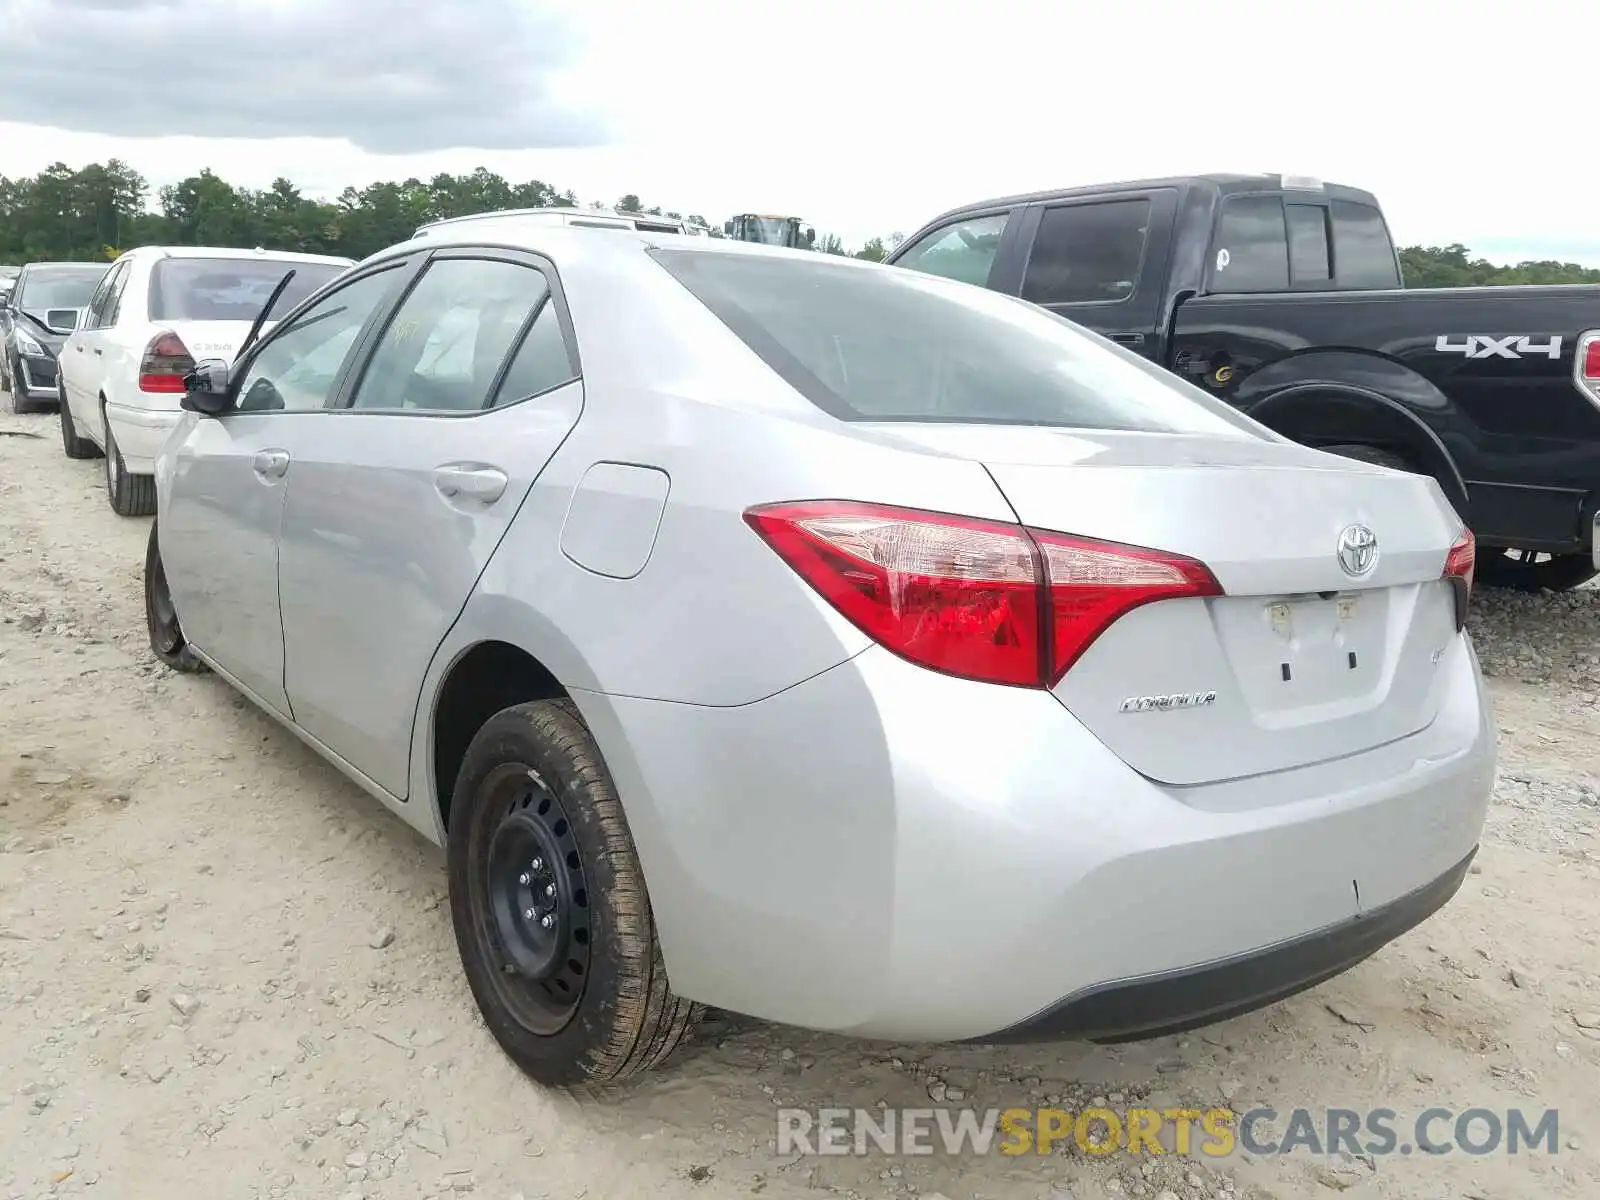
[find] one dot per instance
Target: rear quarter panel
(1506, 422)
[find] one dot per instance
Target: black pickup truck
(1284, 296)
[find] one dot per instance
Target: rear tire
(161, 618)
(130, 495)
(1522, 570)
(551, 915)
(71, 444)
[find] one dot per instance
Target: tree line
(97, 211)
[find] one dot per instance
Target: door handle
(1131, 340)
(97, 350)
(272, 463)
(484, 484)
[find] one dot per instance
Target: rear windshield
(230, 289)
(59, 287)
(888, 344)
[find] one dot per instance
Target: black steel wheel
(547, 896)
(538, 900)
(161, 616)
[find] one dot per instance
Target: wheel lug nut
(537, 864)
(529, 913)
(549, 889)
(524, 879)
(547, 920)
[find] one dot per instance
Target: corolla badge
(1358, 550)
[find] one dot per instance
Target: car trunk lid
(1300, 661)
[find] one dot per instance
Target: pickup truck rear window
(1362, 247)
(869, 343)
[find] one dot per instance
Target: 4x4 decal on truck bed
(1481, 345)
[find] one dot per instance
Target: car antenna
(249, 338)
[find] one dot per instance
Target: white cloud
(872, 116)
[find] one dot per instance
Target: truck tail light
(166, 361)
(1460, 565)
(977, 599)
(1586, 365)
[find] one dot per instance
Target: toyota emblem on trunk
(1358, 550)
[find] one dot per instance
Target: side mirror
(206, 389)
(63, 319)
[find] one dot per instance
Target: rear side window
(230, 289)
(1252, 251)
(1087, 253)
(1363, 251)
(880, 344)
(1308, 243)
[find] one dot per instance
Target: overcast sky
(864, 117)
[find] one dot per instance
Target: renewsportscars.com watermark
(1212, 1132)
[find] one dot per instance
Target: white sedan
(157, 310)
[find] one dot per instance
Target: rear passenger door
(396, 506)
(82, 363)
(1101, 261)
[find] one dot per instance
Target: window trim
(403, 264)
(367, 348)
(1151, 214)
(1329, 282)
(489, 404)
(119, 289)
(1008, 215)
(103, 291)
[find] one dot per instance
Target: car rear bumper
(140, 434)
(888, 852)
(1174, 1001)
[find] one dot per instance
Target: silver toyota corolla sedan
(825, 642)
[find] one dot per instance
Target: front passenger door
(222, 492)
(397, 505)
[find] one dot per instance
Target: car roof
(564, 243)
(547, 211)
(1222, 182)
(64, 263)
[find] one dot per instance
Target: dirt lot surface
(226, 973)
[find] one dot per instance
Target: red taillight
(166, 361)
(1459, 567)
(1586, 365)
(978, 599)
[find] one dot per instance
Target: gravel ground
(225, 972)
